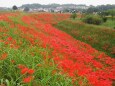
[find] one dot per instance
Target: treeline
(99, 8)
(34, 6)
(68, 7)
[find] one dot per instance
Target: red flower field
(28, 35)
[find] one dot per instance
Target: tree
(14, 7)
(112, 13)
(92, 9)
(103, 15)
(26, 9)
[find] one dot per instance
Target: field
(110, 23)
(35, 53)
(101, 37)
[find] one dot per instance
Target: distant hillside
(34, 6)
(49, 5)
(100, 8)
(4, 8)
(69, 7)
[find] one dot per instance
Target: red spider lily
(4, 56)
(28, 79)
(31, 71)
(97, 64)
(12, 61)
(105, 82)
(20, 66)
(39, 65)
(9, 38)
(93, 79)
(6, 43)
(54, 72)
(24, 70)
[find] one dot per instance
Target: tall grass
(109, 23)
(99, 37)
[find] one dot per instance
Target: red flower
(31, 71)
(97, 64)
(24, 71)
(20, 66)
(93, 79)
(39, 65)
(4, 56)
(28, 79)
(6, 42)
(12, 61)
(9, 38)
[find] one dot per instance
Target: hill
(35, 53)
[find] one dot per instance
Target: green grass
(110, 23)
(99, 37)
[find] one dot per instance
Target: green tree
(14, 7)
(103, 15)
(112, 13)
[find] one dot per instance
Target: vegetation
(112, 13)
(109, 23)
(35, 53)
(14, 7)
(92, 19)
(68, 9)
(99, 8)
(22, 62)
(73, 15)
(101, 38)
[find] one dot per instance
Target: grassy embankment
(100, 37)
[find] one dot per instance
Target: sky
(10, 3)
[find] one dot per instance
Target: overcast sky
(10, 3)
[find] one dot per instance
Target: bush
(104, 19)
(73, 16)
(92, 19)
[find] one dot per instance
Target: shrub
(104, 19)
(73, 16)
(92, 19)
